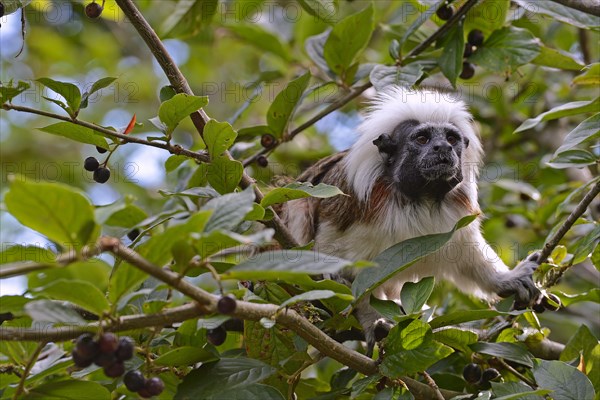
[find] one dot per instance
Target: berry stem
(30, 363)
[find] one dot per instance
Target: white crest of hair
(394, 105)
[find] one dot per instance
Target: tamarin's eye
(422, 139)
(452, 139)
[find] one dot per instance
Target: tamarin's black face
(423, 159)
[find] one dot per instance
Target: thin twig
(432, 385)
(30, 364)
(516, 373)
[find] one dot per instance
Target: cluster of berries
(474, 40)
(110, 353)
(475, 375)
(101, 173)
(218, 335)
(267, 141)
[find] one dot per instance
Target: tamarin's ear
(385, 144)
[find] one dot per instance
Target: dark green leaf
(282, 109)
(68, 390)
(516, 391)
(324, 10)
(188, 18)
(382, 76)
(224, 174)
(506, 49)
(219, 136)
(508, 351)
(273, 265)
(315, 48)
(35, 205)
(174, 110)
(7, 93)
(185, 355)
(564, 110)
(255, 391)
(76, 132)
(229, 210)
(298, 191)
(387, 308)
(467, 316)
(348, 39)
(562, 13)
(451, 61)
(567, 382)
(258, 36)
(401, 256)
(586, 131)
(572, 159)
(52, 311)
(232, 373)
(315, 295)
(414, 295)
(68, 91)
(81, 293)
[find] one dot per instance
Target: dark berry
(472, 373)
(134, 380)
(475, 37)
(115, 369)
(510, 222)
(108, 342)
(468, 71)
(125, 349)
(133, 234)
(86, 346)
(101, 150)
(226, 305)
(538, 308)
(262, 161)
(79, 361)
(105, 359)
(101, 175)
(144, 393)
(468, 50)
(267, 141)
(490, 374)
(93, 10)
(546, 302)
(1, 10)
(154, 386)
(216, 336)
(445, 12)
(91, 164)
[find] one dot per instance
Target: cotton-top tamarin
(412, 172)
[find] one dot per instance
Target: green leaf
(259, 37)
(414, 295)
(584, 343)
(127, 217)
(174, 110)
(229, 210)
(17, 253)
(458, 339)
(185, 355)
(348, 39)
(421, 19)
(96, 86)
(315, 47)
(52, 311)
(281, 110)
(37, 206)
(76, 132)
(572, 159)
(556, 59)
(324, 10)
(224, 174)
(387, 308)
(564, 110)
(232, 373)
(255, 391)
(451, 60)
(173, 162)
(7, 93)
(467, 316)
(567, 382)
(562, 13)
(78, 292)
(592, 295)
(219, 136)
(586, 131)
(401, 256)
(506, 49)
(509, 351)
(382, 75)
(281, 264)
(71, 389)
(487, 16)
(411, 349)
(314, 295)
(188, 18)
(517, 391)
(297, 190)
(68, 91)
(13, 304)
(591, 76)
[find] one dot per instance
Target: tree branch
(587, 6)
(199, 118)
(460, 13)
(173, 149)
